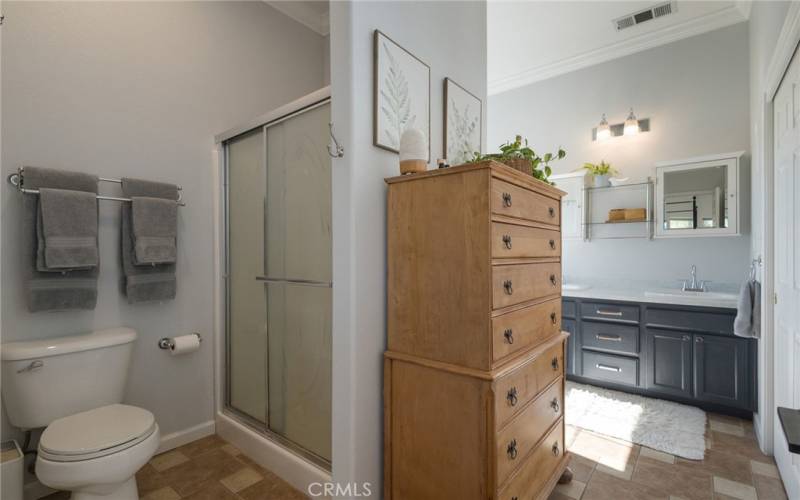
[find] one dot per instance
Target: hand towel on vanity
(149, 282)
(59, 289)
(67, 225)
(155, 228)
(748, 310)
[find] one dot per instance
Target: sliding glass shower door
(279, 283)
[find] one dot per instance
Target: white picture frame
(463, 123)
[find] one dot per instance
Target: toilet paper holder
(168, 343)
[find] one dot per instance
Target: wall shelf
(598, 201)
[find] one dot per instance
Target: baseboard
(36, 490)
(180, 438)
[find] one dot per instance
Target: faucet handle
(704, 283)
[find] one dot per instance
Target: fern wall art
(462, 123)
(401, 94)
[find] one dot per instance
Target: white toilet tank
(52, 378)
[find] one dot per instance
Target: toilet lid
(93, 431)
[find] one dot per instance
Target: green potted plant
(601, 172)
(519, 155)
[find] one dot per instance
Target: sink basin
(574, 287)
(681, 293)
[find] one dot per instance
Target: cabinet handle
(554, 405)
(603, 312)
(699, 340)
(553, 280)
(608, 368)
(509, 335)
(512, 396)
(508, 286)
(554, 363)
(610, 338)
(553, 318)
(556, 450)
(506, 199)
(507, 241)
(551, 211)
(687, 338)
(512, 449)
(552, 244)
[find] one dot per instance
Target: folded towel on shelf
(748, 310)
(152, 282)
(155, 228)
(65, 289)
(67, 230)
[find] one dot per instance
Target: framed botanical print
(462, 123)
(401, 94)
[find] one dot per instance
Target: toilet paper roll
(185, 344)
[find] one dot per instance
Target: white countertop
(655, 293)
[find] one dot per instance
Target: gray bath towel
(67, 289)
(748, 315)
(155, 228)
(149, 283)
(67, 224)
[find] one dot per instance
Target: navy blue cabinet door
(720, 370)
(668, 368)
(568, 325)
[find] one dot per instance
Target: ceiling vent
(660, 10)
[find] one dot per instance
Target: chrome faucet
(694, 286)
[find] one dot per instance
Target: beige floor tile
(212, 490)
(734, 489)
(736, 445)
(625, 473)
(764, 469)
(686, 482)
(581, 467)
(241, 479)
(718, 463)
(736, 430)
(168, 460)
(573, 489)
(609, 452)
(570, 433)
(673, 497)
(162, 494)
(657, 455)
(769, 488)
(558, 496)
(201, 446)
(605, 487)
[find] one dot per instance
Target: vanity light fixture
(631, 124)
(603, 129)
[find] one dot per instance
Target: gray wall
(695, 92)
(140, 89)
(451, 38)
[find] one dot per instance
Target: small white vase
(601, 181)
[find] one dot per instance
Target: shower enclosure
(278, 287)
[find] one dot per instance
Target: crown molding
(785, 47)
(304, 14)
(710, 22)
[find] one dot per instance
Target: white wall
(140, 89)
(695, 92)
(451, 38)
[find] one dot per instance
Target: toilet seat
(96, 433)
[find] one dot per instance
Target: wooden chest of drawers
(474, 371)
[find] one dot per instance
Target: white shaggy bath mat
(662, 425)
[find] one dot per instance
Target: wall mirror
(698, 197)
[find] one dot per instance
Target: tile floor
(207, 469)
(606, 468)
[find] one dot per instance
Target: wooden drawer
(512, 284)
(514, 441)
(617, 369)
(529, 481)
(510, 240)
(614, 312)
(610, 337)
(516, 331)
(515, 201)
(513, 391)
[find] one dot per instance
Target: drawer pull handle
(553, 318)
(608, 368)
(699, 340)
(609, 338)
(687, 338)
(512, 449)
(554, 363)
(512, 396)
(551, 211)
(556, 449)
(553, 280)
(508, 286)
(507, 241)
(554, 405)
(603, 312)
(509, 335)
(506, 199)
(552, 244)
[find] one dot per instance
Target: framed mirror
(698, 197)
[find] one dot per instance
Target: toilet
(73, 386)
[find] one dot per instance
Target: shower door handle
(320, 284)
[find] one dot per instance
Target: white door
(787, 265)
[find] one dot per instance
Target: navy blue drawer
(617, 369)
(605, 311)
(698, 321)
(610, 337)
(568, 309)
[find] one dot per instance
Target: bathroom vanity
(671, 351)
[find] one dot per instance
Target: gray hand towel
(68, 289)
(155, 228)
(151, 283)
(748, 311)
(68, 228)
